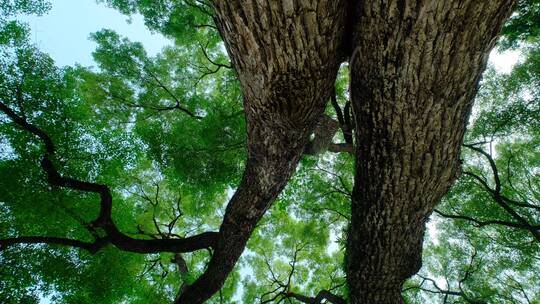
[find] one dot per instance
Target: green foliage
(186, 21)
(118, 125)
(524, 25)
(11, 30)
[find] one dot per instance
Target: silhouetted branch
(104, 220)
(217, 64)
(344, 119)
(170, 93)
(480, 223)
(282, 291)
(496, 193)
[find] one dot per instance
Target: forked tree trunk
(415, 68)
(286, 55)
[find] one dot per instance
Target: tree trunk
(286, 55)
(415, 69)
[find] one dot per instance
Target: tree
(414, 68)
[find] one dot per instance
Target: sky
(64, 33)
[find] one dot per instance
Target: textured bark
(414, 73)
(324, 132)
(286, 55)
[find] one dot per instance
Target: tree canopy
(111, 176)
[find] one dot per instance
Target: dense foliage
(166, 134)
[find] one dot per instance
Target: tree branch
(344, 119)
(104, 220)
(479, 223)
(217, 64)
(166, 89)
(497, 196)
(283, 289)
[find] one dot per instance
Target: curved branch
(492, 165)
(169, 92)
(104, 220)
(285, 293)
(217, 64)
(479, 223)
(343, 117)
(49, 146)
(498, 197)
(123, 242)
(337, 108)
(446, 292)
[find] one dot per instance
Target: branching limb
(442, 291)
(344, 187)
(283, 292)
(217, 64)
(177, 104)
(503, 201)
(151, 76)
(472, 267)
(104, 220)
(343, 117)
(479, 223)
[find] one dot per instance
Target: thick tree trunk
(286, 54)
(415, 68)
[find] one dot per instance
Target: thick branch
(104, 220)
(284, 96)
(49, 146)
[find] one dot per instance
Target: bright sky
(63, 33)
(503, 62)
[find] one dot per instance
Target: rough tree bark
(415, 68)
(286, 55)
